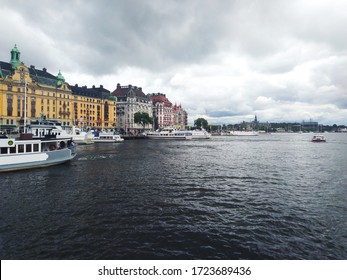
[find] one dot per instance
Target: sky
(222, 60)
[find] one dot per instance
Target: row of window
(21, 148)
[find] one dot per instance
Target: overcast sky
(223, 60)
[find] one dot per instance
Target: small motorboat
(318, 138)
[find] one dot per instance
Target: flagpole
(25, 106)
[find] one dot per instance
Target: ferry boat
(170, 134)
(48, 128)
(107, 137)
(240, 133)
(81, 137)
(41, 129)
(200, 134)
(318, 138)
(26, 152)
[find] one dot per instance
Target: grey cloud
(285, 52)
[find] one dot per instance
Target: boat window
(3, 151)
(28, 148)
(36, 147)
(21, 148)
(12, 150)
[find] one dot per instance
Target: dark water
(266, 197)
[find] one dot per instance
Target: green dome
(15, 57)
(15, 48)
(60, 79)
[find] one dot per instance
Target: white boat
(47, 129)
(81, 137)
(26, 152)
(107, 137)
(199, 134)
(240, 133)
(170, 134)
(318, 138)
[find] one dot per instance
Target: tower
(15, 57)
(60, 79)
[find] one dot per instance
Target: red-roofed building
(162, 111)
(180, 117)
(130, 100)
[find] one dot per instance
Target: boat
(27, 152)
(200, 134)
(47, 129)
(107, 137)
(169, 134)
(318, 138)
(240, 133)
(81, 137)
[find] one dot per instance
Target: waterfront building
(46, 95)
(130, 100)
(50, 97)
(180, 117)
(93, 107)
(163, 112)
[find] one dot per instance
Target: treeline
(268, 127)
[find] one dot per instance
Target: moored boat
(200, 134)
(107, 137)
(170, 134)
(240, 133)
(81, 137)
(26, 152)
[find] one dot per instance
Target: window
(3, 151)
(12, 150)
(36, 147)
(28, 148)
(9, 105)
(21, 148)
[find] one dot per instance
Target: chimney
(44, 70)
(32, 66)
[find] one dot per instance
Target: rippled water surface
(276, 196)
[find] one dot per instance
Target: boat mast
(25, 105)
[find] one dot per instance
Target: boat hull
(35, 160)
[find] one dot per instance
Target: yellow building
(49, 96)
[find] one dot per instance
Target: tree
(142, 118)
(201, 122)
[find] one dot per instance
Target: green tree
(201, 122)
(142, 118)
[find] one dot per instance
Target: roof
(6, 68)
(42, 76)
(160, 98)
(129, 91)
(94, 92)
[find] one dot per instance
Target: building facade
(93, 108)
(46, 95)
(50, 97)
(180, 117)
(163, 115)
(130, 100)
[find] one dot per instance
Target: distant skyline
(223, 60)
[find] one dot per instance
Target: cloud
(223, 60)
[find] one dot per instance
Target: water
(276, 196)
